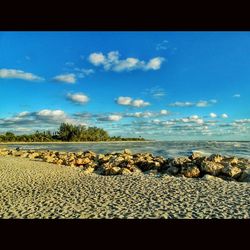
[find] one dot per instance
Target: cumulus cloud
(110, 118)
(78, 98)
(147, 114)
(18, 74)
(124, 100)
(242, 121)
(67, 78)
(224, 116)
(112, 62)
(200, 104)
(97, 59)
(213, 115)
(128, 101)
(36, 120)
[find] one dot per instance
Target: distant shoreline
(56, 142)
(83, 142)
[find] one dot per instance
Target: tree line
(68, 133)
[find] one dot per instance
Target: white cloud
(213, 115)
(112, 118)
(154, 63)
(200, 104)
(97, 58)
(18, 74)
(38, 120)
(54, 114)
(67, 78)
(236, 95)
(124, 100)
(128, 101)
(79, 98)
(113, 62)
(147, 114)
(164, 112)
(243, 121)
(224, 116)
(139, 103)
(181, 104)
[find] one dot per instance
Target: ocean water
(164, 148)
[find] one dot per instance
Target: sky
(157, 85)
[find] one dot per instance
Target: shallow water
(163, 148)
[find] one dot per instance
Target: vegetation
(68, 133)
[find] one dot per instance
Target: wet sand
(33, 189)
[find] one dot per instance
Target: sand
(33, 189)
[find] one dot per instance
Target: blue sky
(158, 85)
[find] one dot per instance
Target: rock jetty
(194, 166)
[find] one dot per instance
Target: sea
(167, 149)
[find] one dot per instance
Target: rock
(191, 171)
(151, 172)
(59, 162)
(82, 161)
(4, 152)
(231, 171)
(114, 170)
(100, 156)
(179, 161)
(226, 178)
(88, 170)
(231, 160)
(245, 176)
(24, 155)
(195, 155)
(127, 151)
(172, 170)
(243, 165)
(208, 177)
(33, 155)
(125, 171)
(215, 158)
(212, 168)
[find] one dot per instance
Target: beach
(35, 189)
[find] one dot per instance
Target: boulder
(195, 155)
(114, 170)
(231, 171)
(191, 171)
(4, 152)
(179, 161)
(231, 160)
(88, 170)
(243, 165)
(127, 151)
(82, 161)
(151, 172)
(208, 177)
(125, 171)
(212, 168)
(245, 176)
(34, 155)
(59, 162)
(172, 170)
(215, 158)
